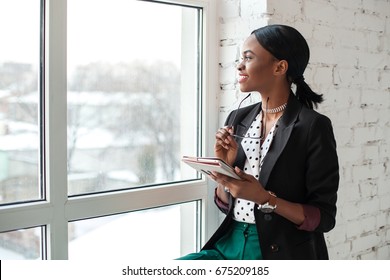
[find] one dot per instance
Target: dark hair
(286, 43)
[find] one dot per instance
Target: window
(19, 101)
(22, 244)
(94, 118)
(133, 234)
(129, 77)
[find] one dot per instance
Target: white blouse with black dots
(255, 154)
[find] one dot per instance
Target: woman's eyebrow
(248, 51)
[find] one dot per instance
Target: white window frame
(55, 213)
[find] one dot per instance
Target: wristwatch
(270, 205)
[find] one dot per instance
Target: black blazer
(301, 166)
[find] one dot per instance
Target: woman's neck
(273, 105)
(276, 97)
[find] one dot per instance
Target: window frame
(57, 209)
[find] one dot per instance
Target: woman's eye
(245, 59)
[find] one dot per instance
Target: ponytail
(305, 94)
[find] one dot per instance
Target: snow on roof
(21, 141)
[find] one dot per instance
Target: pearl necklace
(275, 110)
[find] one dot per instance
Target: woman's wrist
(264, 198)
(222, 193)
(270, 204)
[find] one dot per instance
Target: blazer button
(267, 217)
(274, 248)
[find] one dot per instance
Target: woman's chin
(245, 89)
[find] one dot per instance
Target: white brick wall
(350, 65)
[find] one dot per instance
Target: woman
(285, 154)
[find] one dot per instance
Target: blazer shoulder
(314, 116)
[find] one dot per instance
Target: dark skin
(258, 71)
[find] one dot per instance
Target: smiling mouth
(242, 78)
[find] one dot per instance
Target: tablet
(206, 165)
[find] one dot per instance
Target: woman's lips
(242, 78)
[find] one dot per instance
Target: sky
(19, 30)
(105, 30)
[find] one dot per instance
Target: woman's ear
(281, 67)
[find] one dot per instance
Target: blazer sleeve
(322, 172)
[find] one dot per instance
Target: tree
(147, 109)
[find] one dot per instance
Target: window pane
(24, 244)
(19, 99)
(160, 233)
(133, 91)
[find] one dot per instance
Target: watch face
(266, 208)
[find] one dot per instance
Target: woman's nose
(240, 66)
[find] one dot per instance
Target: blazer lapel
(241, 128)
(286, 125)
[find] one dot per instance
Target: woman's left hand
(248, 187)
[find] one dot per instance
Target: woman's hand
(248, 187)
(225, 146)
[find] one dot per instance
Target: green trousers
(241, 242)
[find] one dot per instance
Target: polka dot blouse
(255, 154)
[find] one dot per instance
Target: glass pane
(162, 233)
(130, 84)
(24, 244)
(19, 99)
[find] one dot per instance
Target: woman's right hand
(225, 146)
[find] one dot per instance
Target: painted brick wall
(350, 65)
